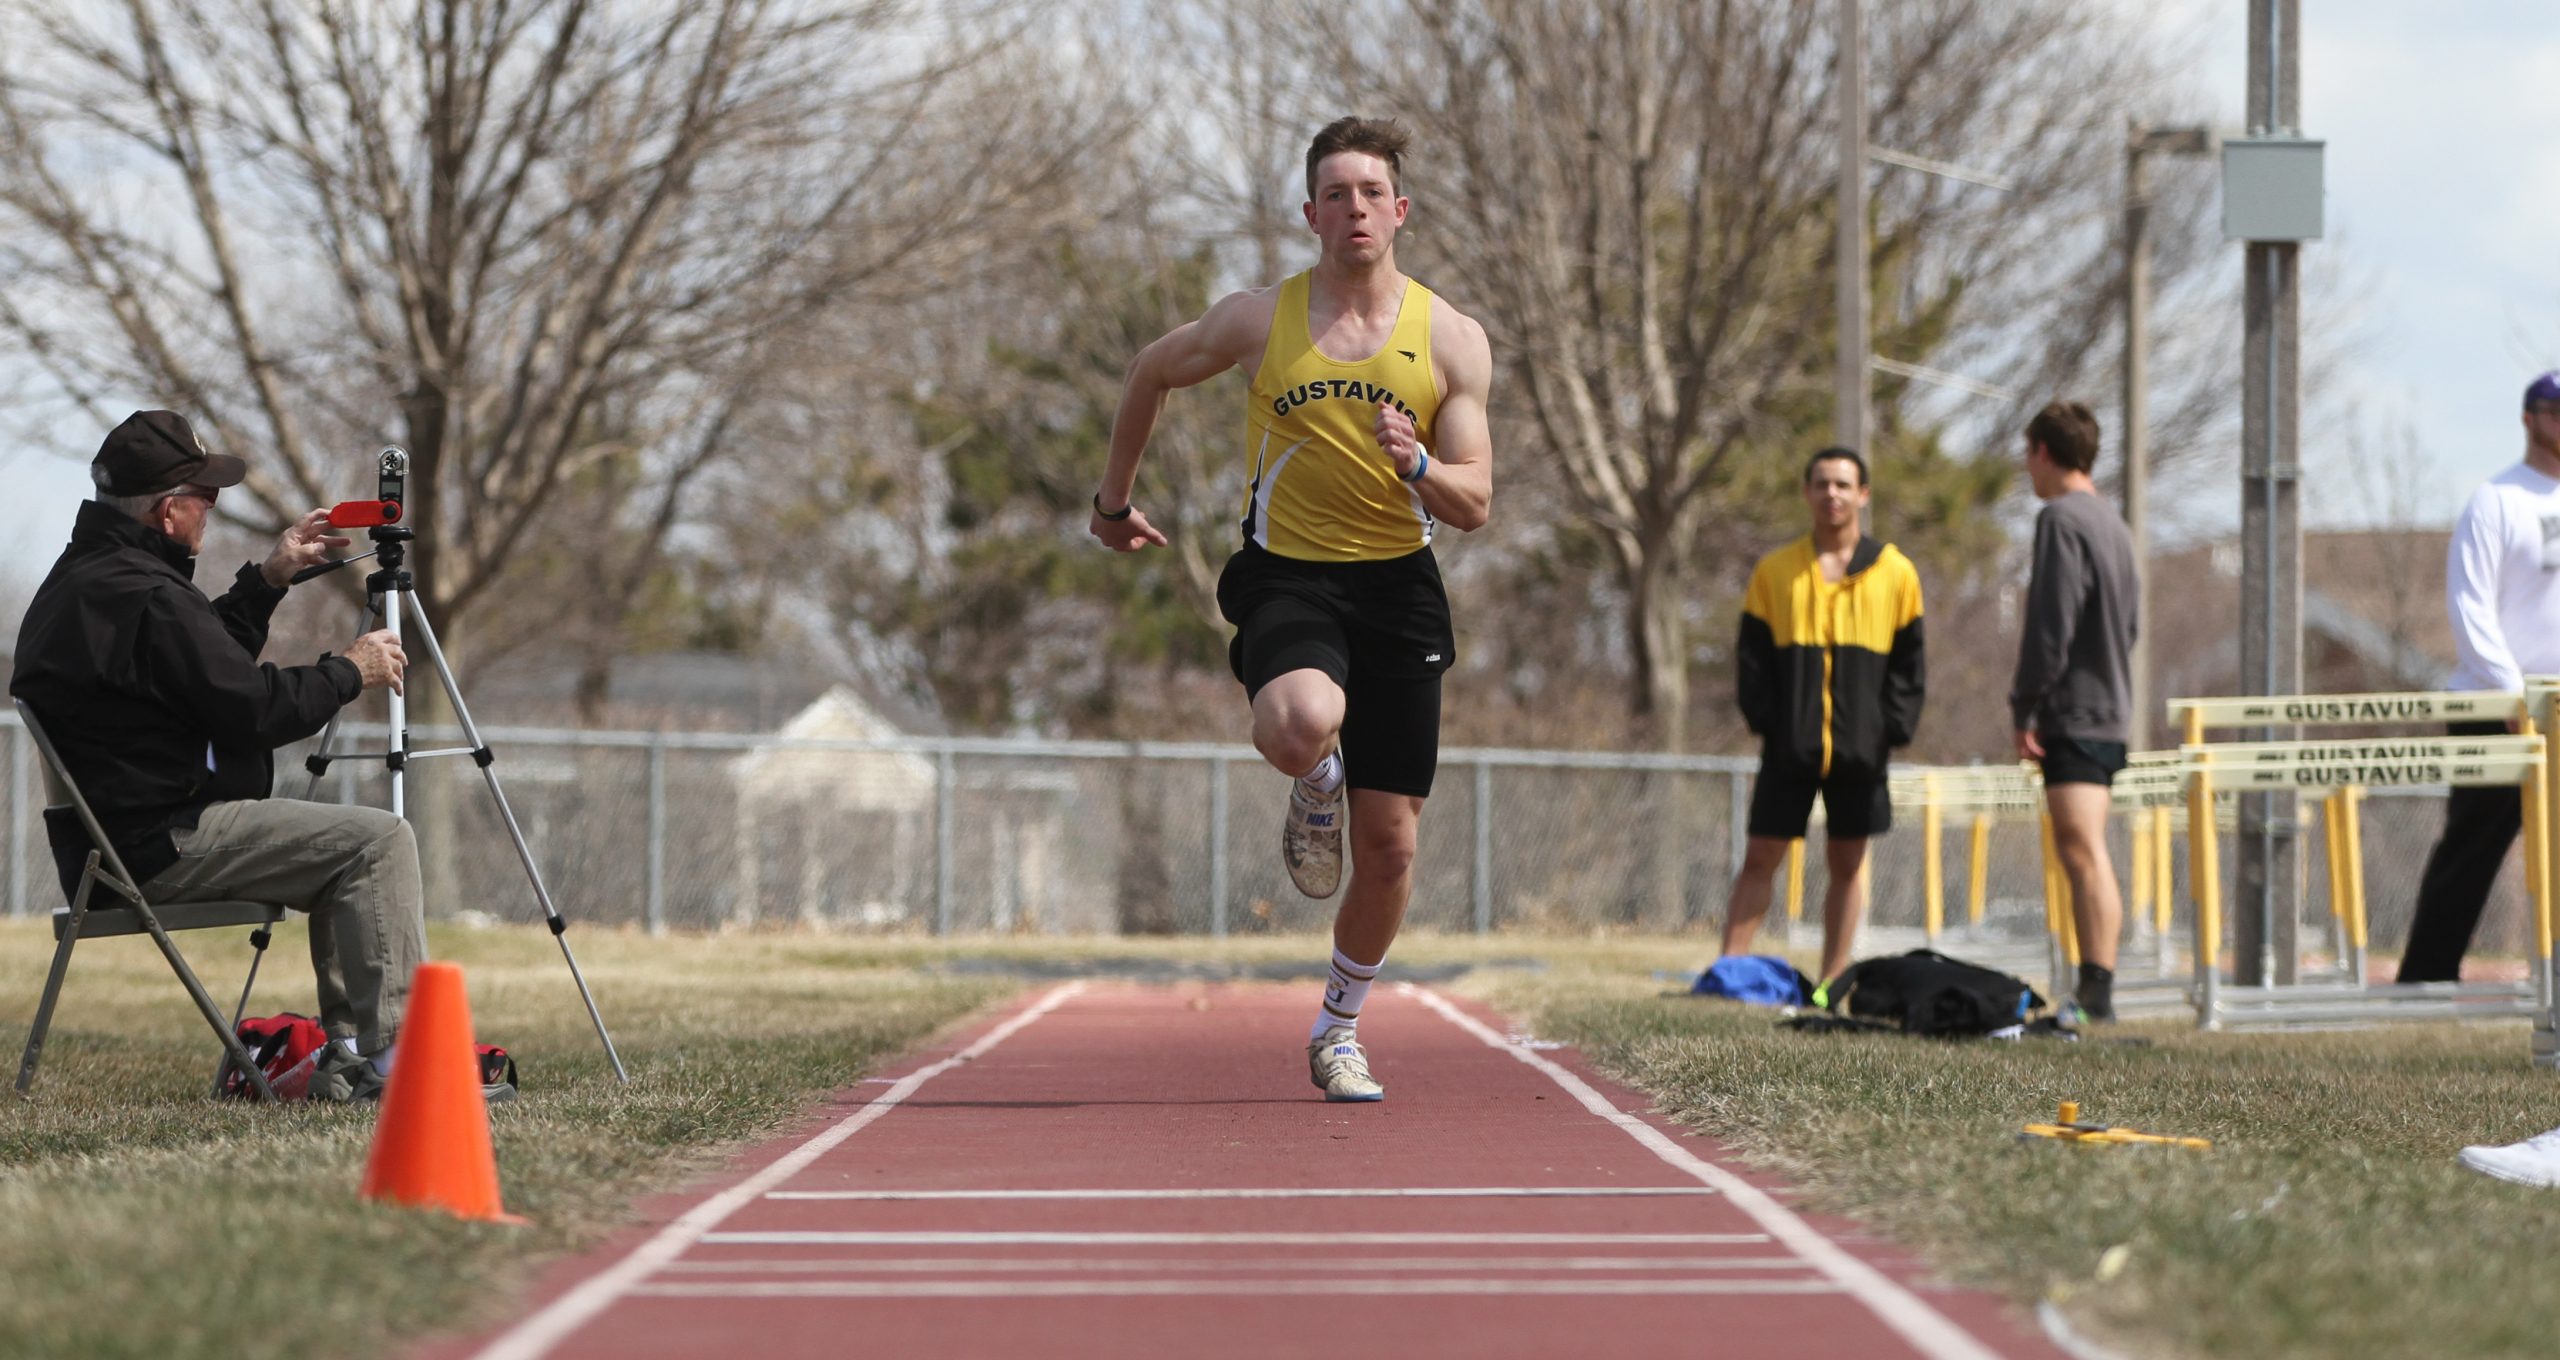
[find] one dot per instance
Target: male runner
(1366, 427)
(1829, 671)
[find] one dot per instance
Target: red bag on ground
(497, 1070)
(286, 1047)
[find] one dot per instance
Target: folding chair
(136, 916)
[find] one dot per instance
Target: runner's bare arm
(1187, 355)
(1457, 487)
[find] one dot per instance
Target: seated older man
(168, 722)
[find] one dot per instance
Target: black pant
(2479, 826)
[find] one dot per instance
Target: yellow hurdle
(2204, 867)
(2537, 850)
(2058, 915)
(2139, 909)
(2331, 838)
(2052, 900)
(2548, 688)
(2351, 853)
(2163, 848)
(1934, 860)
(1978, 870)
(1795, 880)
(2340, 766)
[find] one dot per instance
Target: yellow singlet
(1323, 491)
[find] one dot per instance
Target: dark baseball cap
(2544, 390)
(156, 451)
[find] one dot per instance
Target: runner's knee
(1294, 731)
(1385, 851)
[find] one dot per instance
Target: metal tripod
(393, 582)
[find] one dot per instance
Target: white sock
(1325, 777)
(1346, 989)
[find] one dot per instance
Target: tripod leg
(317, 764)
(486, 760)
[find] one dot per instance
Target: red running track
(1110, 1170)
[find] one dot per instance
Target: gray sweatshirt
(2076, 642)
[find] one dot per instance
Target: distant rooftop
(695, 691)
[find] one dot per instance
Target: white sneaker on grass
(1311, 840)
(2535, 1161)
(1340, 1068)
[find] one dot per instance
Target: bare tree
(972, 561)
(1637, 195)
(547, 246)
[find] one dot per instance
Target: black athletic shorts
(1379, 629)
(2080, 760)
(1856, 803)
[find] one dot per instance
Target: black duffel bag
(1925, 992)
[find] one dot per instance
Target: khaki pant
(354, 869)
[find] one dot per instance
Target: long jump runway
(1111, 1170)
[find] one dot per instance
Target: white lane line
(534, 1336)
(1330, 1285)
(1928, 1330)
(1302, 1192)
(1221, 1239)
(1071, 1265)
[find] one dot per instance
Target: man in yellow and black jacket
(1829, 674)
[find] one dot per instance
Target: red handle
(363, 514)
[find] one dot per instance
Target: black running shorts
(1856, 804)
(1380, 629)
(2080, 760)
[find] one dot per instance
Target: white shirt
(2502, 581)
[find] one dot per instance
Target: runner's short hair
(2069, 433)
(1383, 138)
(1849, 456)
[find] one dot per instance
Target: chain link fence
(701, 832)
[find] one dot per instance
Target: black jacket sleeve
(246, 608)
(1755, 674)
(193, 661)
(1906, 684)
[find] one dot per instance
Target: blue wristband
(1421, 465)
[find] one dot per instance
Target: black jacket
(153, 694)
(1831, 676)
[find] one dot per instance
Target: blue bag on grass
(1761, 979)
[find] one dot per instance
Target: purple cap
(2543, 389)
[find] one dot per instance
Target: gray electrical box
(2271, 188)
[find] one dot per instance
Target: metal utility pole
(1849, 408)
(2141, 143)
(2268, 888)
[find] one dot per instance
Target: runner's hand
(1397, 437)
(1126, 535)
(379, 659)
(2028, 747)
(307, 543)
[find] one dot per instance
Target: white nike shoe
(2535, 1161)
(1311, 840)
(1340, 1067)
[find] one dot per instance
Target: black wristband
(1124, 513)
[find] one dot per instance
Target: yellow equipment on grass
(2066, 1127)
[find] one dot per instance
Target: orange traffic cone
(431, 1147)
